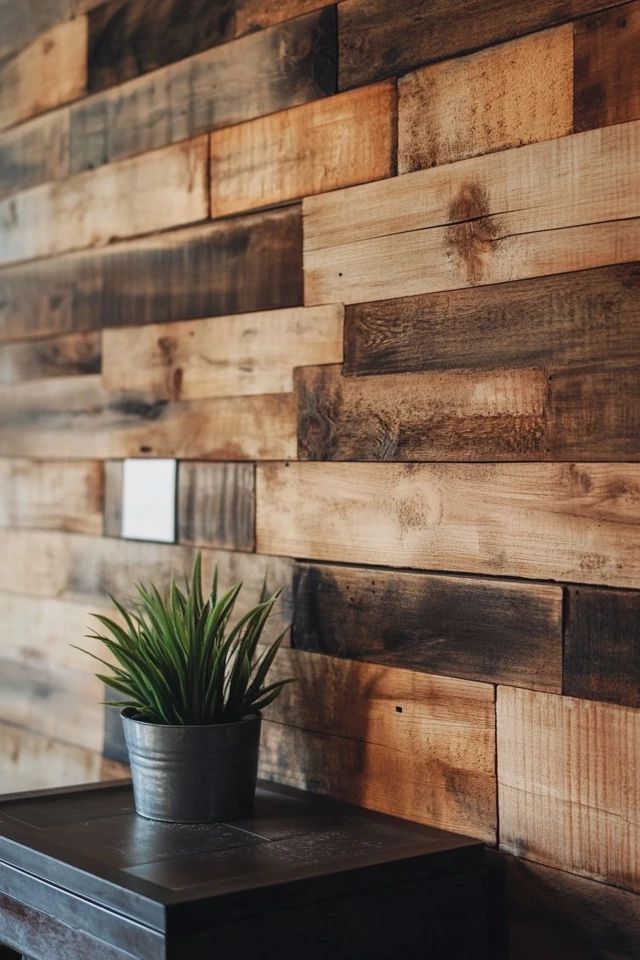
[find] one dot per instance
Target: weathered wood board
(602, 645)
(216, 504)
(20, 23)
(320, 146)
(497, 631)
(569, 319)
(162, 189)
(484, 220)
(573, 522)
(69, 417)
(286, 65)
(51, 71)
(223, 356)
(607, 86)
(569, 784)
(113, 486)
(506, 96)
(35, 152)
(72, 354)
(253, 15)
(405, 743)
(52, 496)
(235, 266)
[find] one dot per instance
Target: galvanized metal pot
(193, 774)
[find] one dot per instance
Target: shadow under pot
(193, 774)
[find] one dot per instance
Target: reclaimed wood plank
(35, 152)
(452, 415)
(51, 496)
(163, 189)
(568, 319)
(602, 645)
(128, 38)
(277, 68)
(216, 504)
(575, 522)
(606, 85)
(20, 23)
(247, 263)
(73, 354)
(70, 417)
(569, 784)
(483, 220)
(320, 146)
(405, 743)
(241, 355)
(555, 914)
(51, 71)
(377, 41)
(517, 93)
(253, 15)
(113, 480)
(496, 631)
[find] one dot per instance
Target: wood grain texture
(51, 71)
(455, 415)
(569, 784)
(52, 496)
(379, 39)
(431, 760)
(262, 73)
(35, 152)
(555, 914)
(130, 37)
(216, 505)
(576, 522)
(320, 146)
(163, 189)
(113, 480)
(20, 23)
(607, 87)
(247, 263)
(490, 630)
(569, 319)
(85, 570)
(73, 354)
(602, 645)
(482, 220)
(506, 96)
(71, 417)
(223, 356)
(33, 762)
(253, 15)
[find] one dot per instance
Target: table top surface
(89, 840)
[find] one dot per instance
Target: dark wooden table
(82, 877)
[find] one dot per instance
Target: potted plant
(194, 689)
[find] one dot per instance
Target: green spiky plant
(179, 662)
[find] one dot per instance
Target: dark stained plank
(283, 66)
(21, 22)
(602, 645)
(130, 37)
(606, 78)
(72, 354)
(383, 38)
(571, 318)
(248, 263)
(113, 478)
(216, 504)
(451, 415)
(35, 152)
(492, 630)
(558, 916)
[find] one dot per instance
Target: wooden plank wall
(370, 271)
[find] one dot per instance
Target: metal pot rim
(126, 715)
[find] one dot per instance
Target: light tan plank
(75, 417)
(156, 191)
(310, 149)
(52, 496)
(51, 71)
(577, 522)
(409, 744)
(73, 354)
(241, 355)
(516, 93)
(569, 784)
(541, 209)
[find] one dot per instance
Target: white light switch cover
(149, 500)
